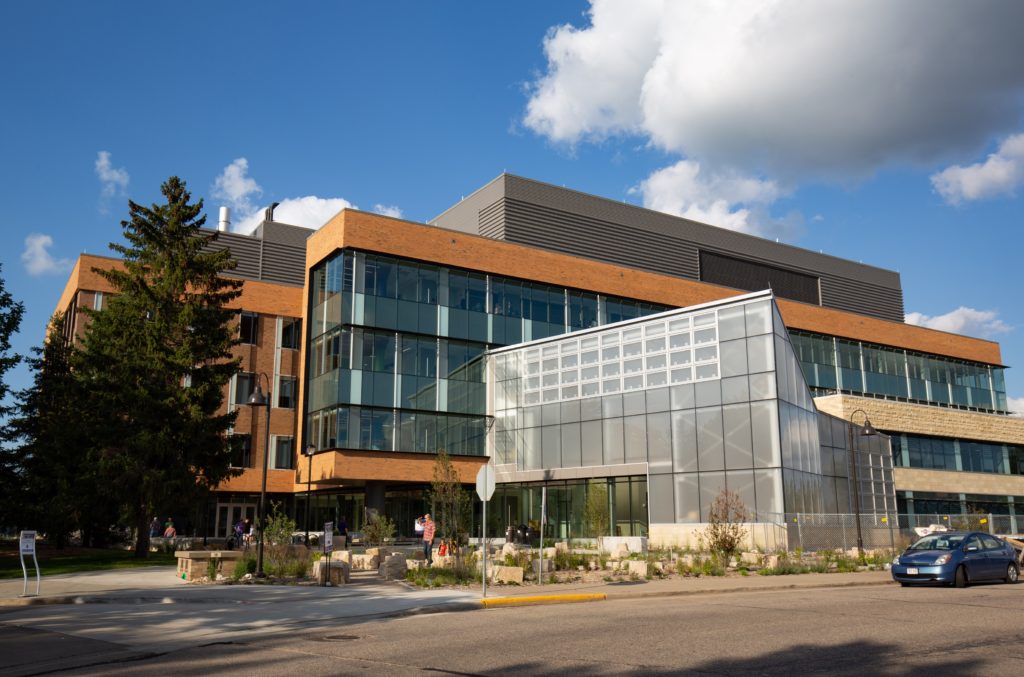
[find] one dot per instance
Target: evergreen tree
(65, 493)
(156, 360)
(10, 466)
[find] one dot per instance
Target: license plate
(912, 571)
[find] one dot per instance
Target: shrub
(378, 530)
(433, 577)
(725, 530)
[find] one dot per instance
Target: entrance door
(228, 515)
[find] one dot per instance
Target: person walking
(428, 539)
(343, 531)
(169, 530)
(154, 527)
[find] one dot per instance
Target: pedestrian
(169, 530)
(154, 527)
(247, 533)
(428, 539)
(343, 531)
(239, 532)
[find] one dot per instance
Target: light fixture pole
(257, 399)
(867, 430)
(310, 450)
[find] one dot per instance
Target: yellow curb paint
(541, 599)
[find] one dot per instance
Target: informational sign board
(27, 546)
(485, 482)
(328, 536)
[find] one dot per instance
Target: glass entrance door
(228, 515)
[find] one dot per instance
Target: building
(398, 319)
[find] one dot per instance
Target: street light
(257, 399)
(867, 430)
(310, 450)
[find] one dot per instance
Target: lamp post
(867, 430)
(257, 399)
(310, 450)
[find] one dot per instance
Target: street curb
(526, 600)
(724, 591)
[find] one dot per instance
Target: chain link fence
(815, 532)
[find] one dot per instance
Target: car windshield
(938, 542)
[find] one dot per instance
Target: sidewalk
(159, 584)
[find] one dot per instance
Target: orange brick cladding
(371, 232)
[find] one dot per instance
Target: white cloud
(237, 188)
(1000, 174)
(1016, 406)
(963, 320)
(309, 211)
(37, 258)
(789, 89)
(388, 210)
(112, 181)
(725, 199)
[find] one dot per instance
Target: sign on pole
(27, 546)
(328, 536)
(485, 482)
(484, 489)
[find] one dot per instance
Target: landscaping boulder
(561, 546)
(548, 565)
(750, 558)
(376, 552)
(393, 567)
(413, 564)
(365, 562)
(622, 552)
(340, 572)
(637, 567)
(342, 556)
(549, 553)
(508, 549)
(507, 575)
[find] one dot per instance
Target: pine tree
(156, 360)
(11, 488)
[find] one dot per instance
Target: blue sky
(883, 134)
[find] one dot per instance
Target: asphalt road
(880, 630)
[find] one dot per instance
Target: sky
(888, 133)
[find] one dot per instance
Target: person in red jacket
(428, 539)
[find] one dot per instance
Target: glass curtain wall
(396, 349)
(833, 365)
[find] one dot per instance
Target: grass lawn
(75, 560)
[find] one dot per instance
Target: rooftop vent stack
(224, 223)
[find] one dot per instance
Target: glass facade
(396, 350)
(834, 365)
(705, 399)
(940, 453)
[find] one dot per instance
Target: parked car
(956, 558)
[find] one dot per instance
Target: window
(248, 324)
(284, 453)
(245, 384)
(291, 334)
(241, 451)
(286, 392)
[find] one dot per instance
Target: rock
(659, 567)
(547, 565)
(561, 546)
(341, 556)
(340, 572)
(393, 568)
(507, 575)
(508, 549)
(375, 552)
(750, 558)
(549, 553)
(771, 561)
(637, 567)
(412, 564)
(365, 562)
(593, 565)
(446, 562)
(622, 552)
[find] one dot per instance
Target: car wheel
(1012, 573)
(905, 585)
(960, 580)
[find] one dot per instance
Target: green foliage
(567, 561)
(11, 469)
(283, 558)
(434, 577)
(211, 569)
(521, 558)
(453, 505)
(726, 517)
(378, 530)
(245, 565)
(154, 364)
(595, 510)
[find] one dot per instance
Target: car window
(974, 542)
(937, 542)
(991, 543)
